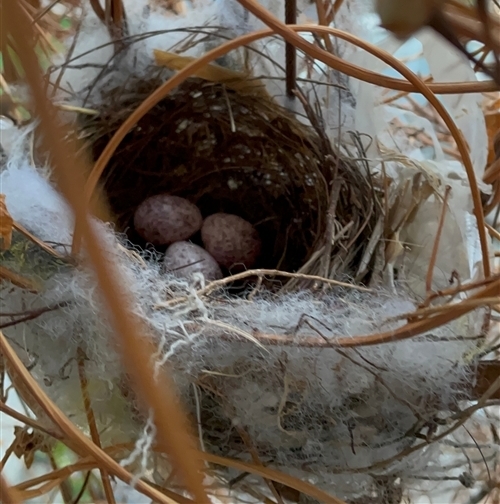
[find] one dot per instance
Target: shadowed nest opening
(233, 152)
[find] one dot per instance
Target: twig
(39, 242)
(217, 284)
(235, 330)
(324, 20)
(435, 248)
(482, 8)
(330, 223)
(8, 452)
(336, 7)
(229, 110)
(31, 422)
(60, 474)
(198, 416)
(94, 433)
(8, 495)
(256, 289)
(278, 477)
(430, 310)
(256, 460)
(481, 453)
(378, 378)
(69, 53)
(409, 330)
(18, 280)
(290, 50)
(33, 314)
(493, 232)
(83, 488)
(453, 291)
(44, 11)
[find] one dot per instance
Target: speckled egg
(164, 219)
(184, 258)
(231, 240)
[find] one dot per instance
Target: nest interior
(225, 151)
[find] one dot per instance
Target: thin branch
(8, 495)
(94, 432)
(32, 315)
(291, 50)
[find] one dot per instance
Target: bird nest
(240, 153)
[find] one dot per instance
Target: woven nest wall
(232, 152)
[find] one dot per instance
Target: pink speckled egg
(182, 259)
(231, 240)
(164, 219)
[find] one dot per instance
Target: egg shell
(164, 219)
(231, 240)
(182, 259)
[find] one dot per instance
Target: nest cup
(225, 151)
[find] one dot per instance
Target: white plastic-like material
(373, 118)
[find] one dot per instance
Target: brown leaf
(405, 17)
(237, 81)
(493, 129)
(6, 223)
(27, 443)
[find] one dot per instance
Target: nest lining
(331, 414)
(321, 412)
(232, 152)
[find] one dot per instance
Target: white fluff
(34, 203)
(151, 28)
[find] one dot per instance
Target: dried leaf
(6, 224)
(405, 17)
(27, 443)
(237, 81)
(493, 128)
(493, 107)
